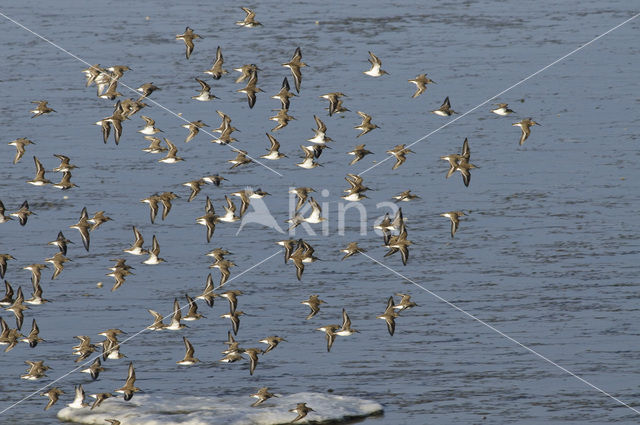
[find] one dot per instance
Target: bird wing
(205, 86)
(230, 205)
(177, 313)
(188, 347)
(297, 76)
(131, 376)
(275, 145)
(188, 41)
(373, 59)
(155, 246)
(321, 126)
(346, 322)
(466, 152)
(139, 239)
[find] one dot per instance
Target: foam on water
(153, 410)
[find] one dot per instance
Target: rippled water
(548, 253)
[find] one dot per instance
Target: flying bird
(421, 82)
(249, 21)
(294, 65)
(83, 227)
(216, 70)
(366, 125)
(284, 94)
(205, 92)
(525, 125)
(20, 147)
(375, 70)
(41, 109)
(129, 388)
(454, 216)
(188, 36)
(389, 316)
(445, 109)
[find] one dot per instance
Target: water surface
(548, 253)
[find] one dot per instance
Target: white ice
(152, 410)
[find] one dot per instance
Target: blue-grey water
(548, 252)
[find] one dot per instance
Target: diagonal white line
(130, 88)
(28, 396)
(507, 89)
(498, 331)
